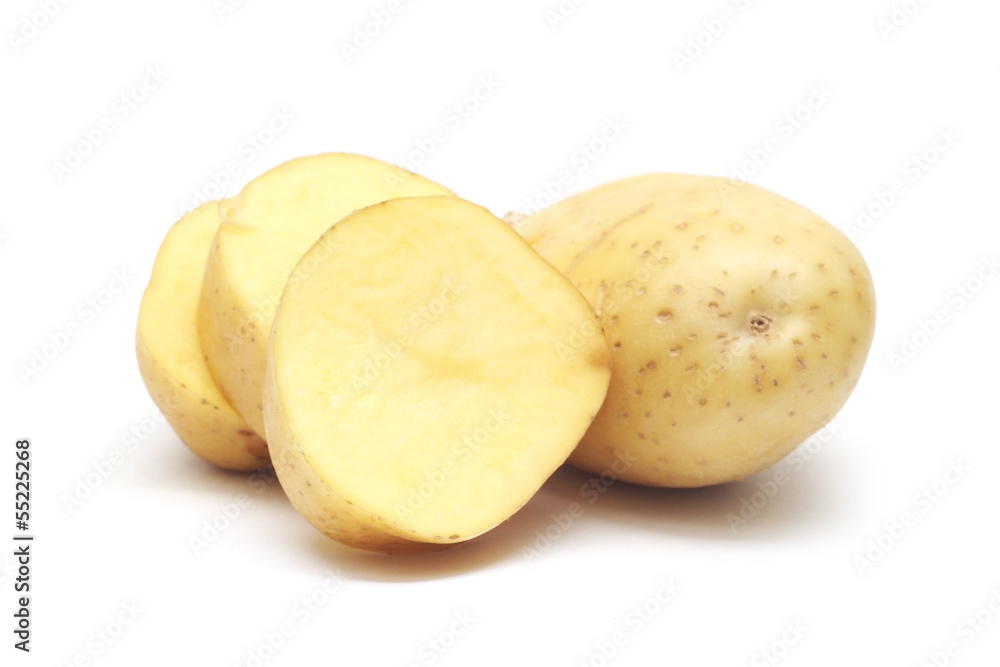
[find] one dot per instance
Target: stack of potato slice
(418, 368)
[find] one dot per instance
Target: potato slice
(739, 322)
(170, 358)
(265, 230)
(427, 377)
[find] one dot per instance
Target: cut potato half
(427, 375)
(265, 230)
(170, 358)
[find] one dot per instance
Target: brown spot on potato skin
(760, 324)
(719, 339)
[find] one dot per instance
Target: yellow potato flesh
(739, 322)
(265, 230)
(427, 377)
(170, 358)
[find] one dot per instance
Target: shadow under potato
(758, 508)
(781, 501)
(801, 493)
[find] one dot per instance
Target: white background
(887, 96)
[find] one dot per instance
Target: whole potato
(739, 322)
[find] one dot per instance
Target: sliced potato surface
(265, 230)
(427, 376)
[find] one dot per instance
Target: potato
(739, 322)
(170, 358)
(427, 376)
(265, 230)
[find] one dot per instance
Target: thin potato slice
(265, 230)
(427, 377)
(170, 358)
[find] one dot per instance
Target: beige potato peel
(170, 359)
(739, 321)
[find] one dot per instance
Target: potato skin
(170, 358)
(210, 428)
(233, 336)
(739, 322)
(326, 510)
